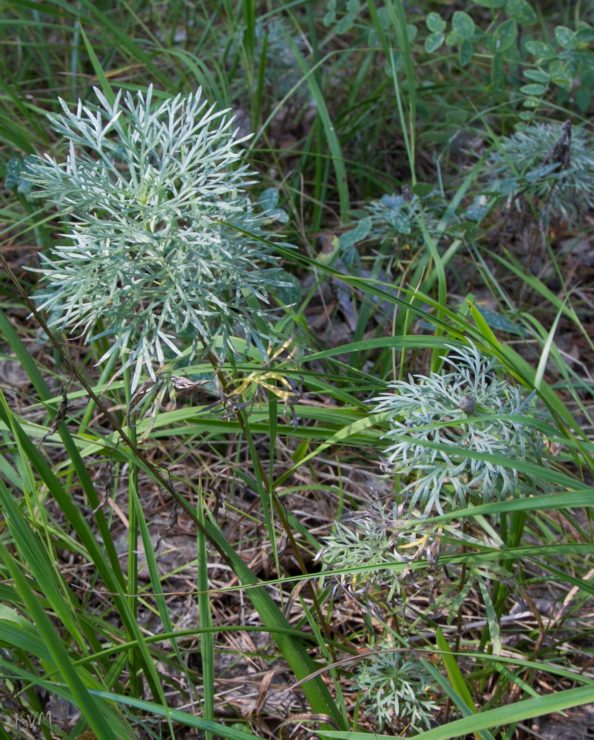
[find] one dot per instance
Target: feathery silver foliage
(560, 173)
(468, 408)
(405, 562)
(369, 537)
(397, 689)
(162, 246)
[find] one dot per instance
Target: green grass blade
(315, 690)
(87, 538)
(491, 718)
(205, 614)
(30, 367)
(329, 130)
(99, 717)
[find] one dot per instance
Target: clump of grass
(274, 70)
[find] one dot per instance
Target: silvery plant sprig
(469, 408)
(395, 688)
(378, 538)
(163, 251)
(553, 161)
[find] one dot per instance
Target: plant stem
(132, 582)
(261, 476)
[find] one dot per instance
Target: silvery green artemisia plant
(396, 688)
(468, 408)
(376, 537)
(162, 249)
(404, 560)
(553, 161)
